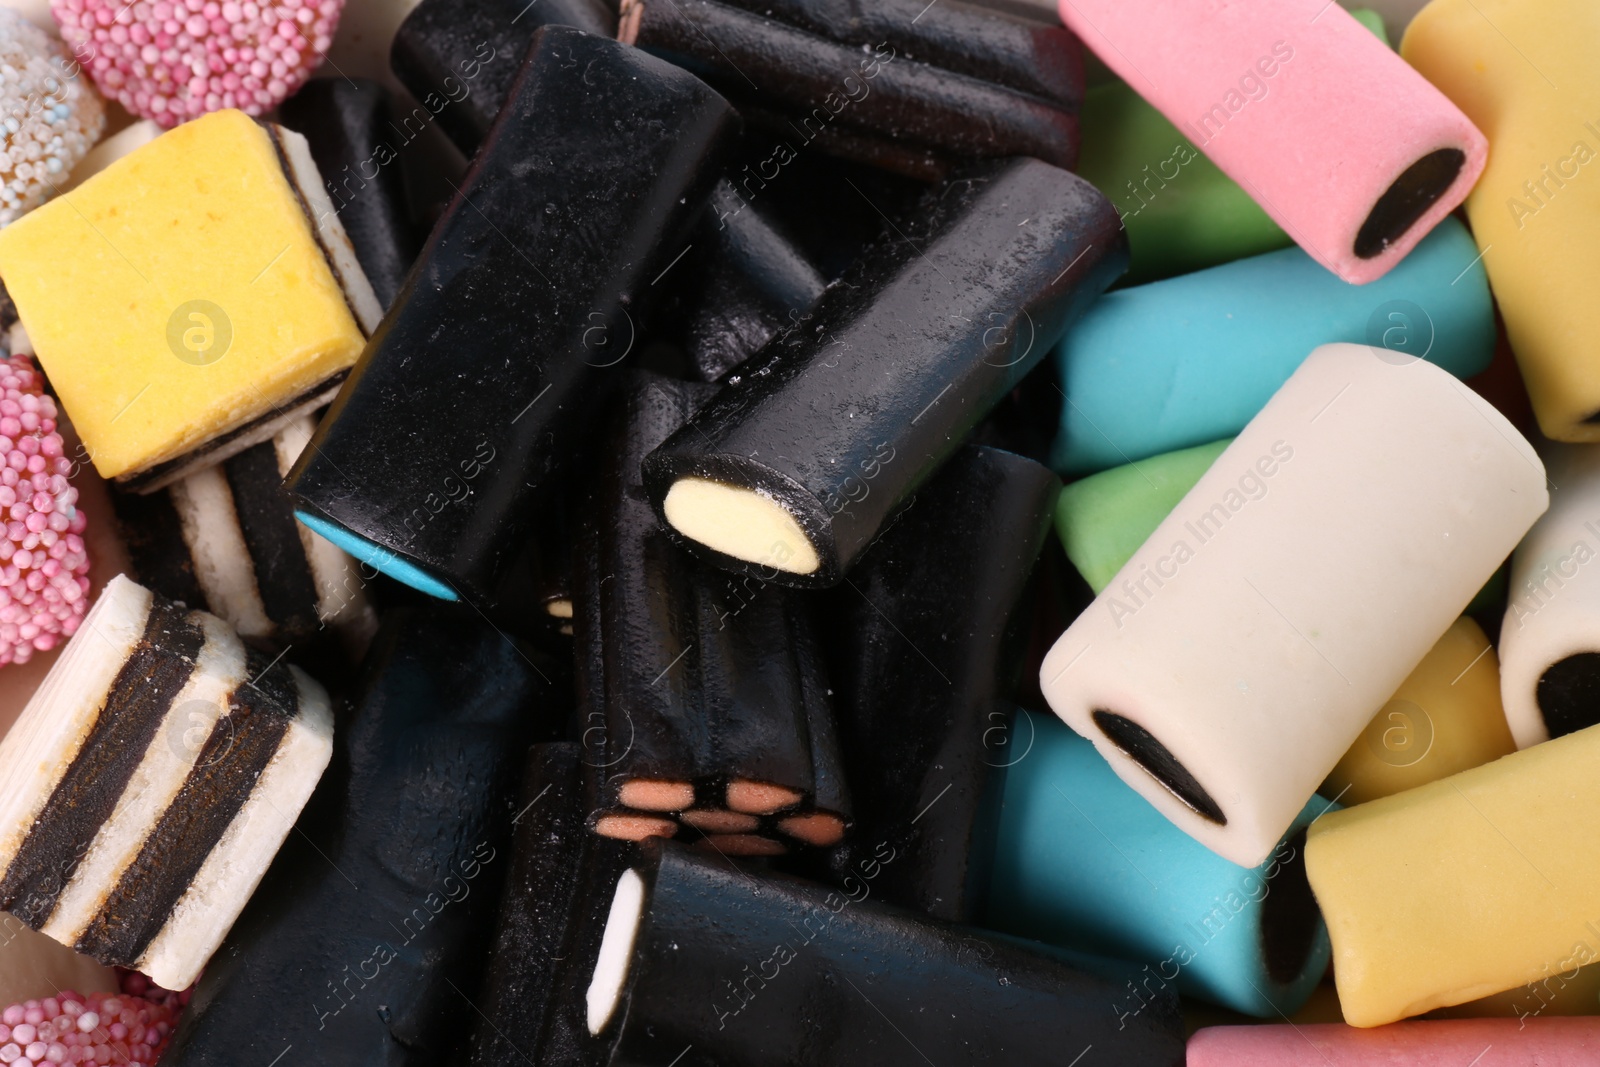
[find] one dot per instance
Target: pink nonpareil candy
(103, 1029)
(44, 566)
(174, 60)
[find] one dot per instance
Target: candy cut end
(1407, 200)
(741, 523)
(616, 950)
(760, 798)
(1566, 694)
(1141, 746)
(655, 794)
(376, 556)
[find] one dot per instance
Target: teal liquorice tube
(1191, 359)
(1084, 862)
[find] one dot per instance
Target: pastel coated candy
(1223, 675)
(1351, 151)
(1453, 1043)
(1190, 359)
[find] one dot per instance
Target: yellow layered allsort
(106, 280)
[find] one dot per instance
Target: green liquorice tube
(1104, 518)
(1182, 214)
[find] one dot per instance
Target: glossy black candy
(734, 969)
(696, 679)
(384, 894)
(479, 386)
(1030, 57)
(863, 101)
(841, 419)
(548, 894)
(468, 52)
(348, 124)
(925, 650)
(755, 283)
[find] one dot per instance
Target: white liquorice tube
(1237, 655)
(1550, 639)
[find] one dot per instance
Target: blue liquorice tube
(1083, 861)
(1180, 362)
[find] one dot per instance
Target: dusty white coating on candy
(49, 118)
(173, 60)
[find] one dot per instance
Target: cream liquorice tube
(224, 540)
(861, 98)
(386, 894)
(1550, 638)
(797, 973)
(624, 159)
(347, 125)
(1281, 555)
(1463, 887)
(713, 699)
(925, 653)
(1083, 862)
(149, 782)
(803, 455)
(1348, 149)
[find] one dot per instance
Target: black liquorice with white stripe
(224, 539)
(864, 101)
(440, 464)
(702, 697)
(925, 650)
(735, 969)
(387, 892)
(814, 443)
(548, 895)
(150, 781)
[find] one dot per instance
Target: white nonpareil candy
(1248, 642)
(1550, 639)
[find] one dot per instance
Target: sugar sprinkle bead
(49, 116)
(135, 984)
(44, 565)
(101, 1029)
(174, 60)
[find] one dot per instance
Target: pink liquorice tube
(1552, 1041)
(1348, 149)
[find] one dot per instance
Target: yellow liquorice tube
(1527, 76)
(1477, 883)
(1445, 717)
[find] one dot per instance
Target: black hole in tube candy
(1403, 203)
(1569, 694)
(1142, 747)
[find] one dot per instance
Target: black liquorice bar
(548, 898)
(756, 283)
(468, 52)
(706, 965)
(810, 84)
(224, 539)
(925, 649)
(748, 281)
(477, 390)
(1030, 57)
(385, 895)
(348, 123)
(806, 450)
(709, 695)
